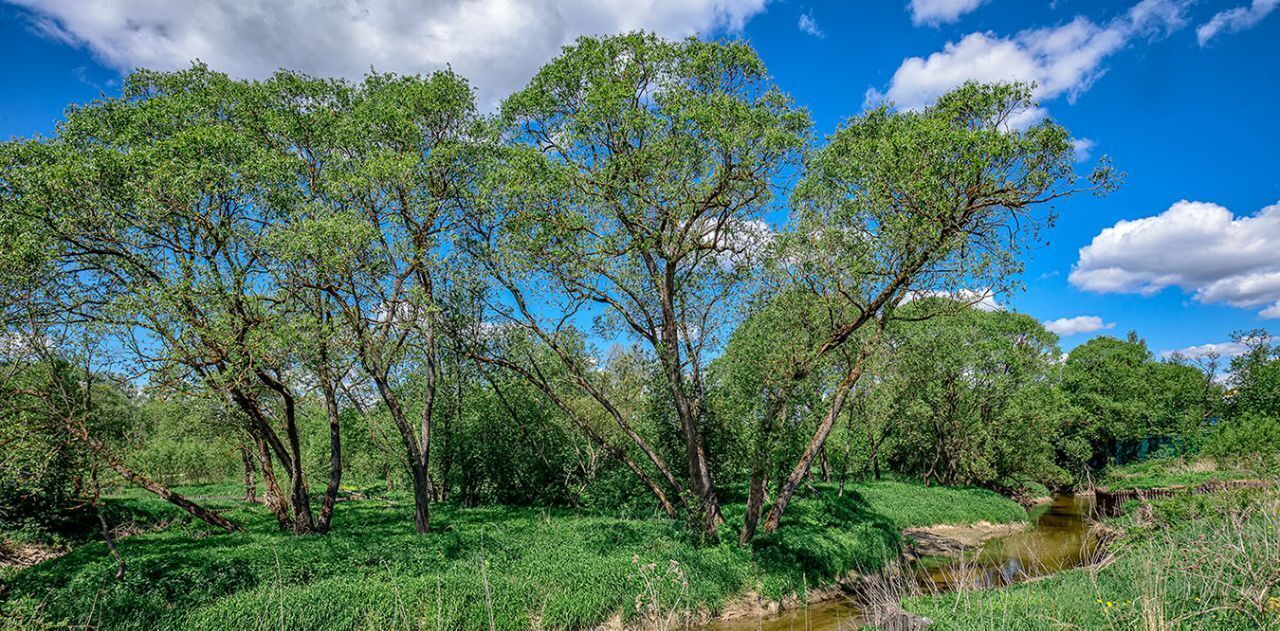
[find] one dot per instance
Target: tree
(647, 166)
(156, 204)
(381, 178)
(1109, 382)
(903, 204)
(976, 398)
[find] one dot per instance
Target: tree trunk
(421, 498)
(250, 490)
(417, 460)
(335, 455)
(268, 443)
(816, 443)
(168, 495)
(300, 500)
(272, 497)
(759, 469)
(687, 410)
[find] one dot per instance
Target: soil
(946, 540)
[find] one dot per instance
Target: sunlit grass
(556, 568)
(1191, 562)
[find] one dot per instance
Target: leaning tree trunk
(164, 492)
(299, 498)
(272, 496)
(816, 443)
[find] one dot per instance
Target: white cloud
(935, 12)
(498, 44)
(809, 25)
(1077, 325)
(1220, 349)
(1083, 148)
(982, 299)
(1063, 59)
(1234, 20)
(1198, 247)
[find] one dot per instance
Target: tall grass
(1190, 562)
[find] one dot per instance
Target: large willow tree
(899, 205)
(637, 202)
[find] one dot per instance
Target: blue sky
(1182, 96)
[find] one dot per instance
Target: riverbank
(519, 567)
(1187, 562)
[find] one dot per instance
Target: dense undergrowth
(522, 566)
(1188, 562)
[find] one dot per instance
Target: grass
(520, 567)
(1167, 471)
(1190, 562)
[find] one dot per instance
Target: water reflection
(1059, 539)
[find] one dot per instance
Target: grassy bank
(1170, 471)
(1190, 562)
(520, 566)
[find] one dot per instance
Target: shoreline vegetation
(1209, 561)
(634, 572)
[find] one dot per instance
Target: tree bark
(688, 411)
(272, 497)
(250, 489)
(816, 443)
(759, 469)
(335, 454)
(418, 474)
(300, 499)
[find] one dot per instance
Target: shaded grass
(1188, 562)
(557, 568)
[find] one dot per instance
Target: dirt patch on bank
(24, 555)
(945, 540)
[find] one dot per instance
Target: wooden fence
(1108, 503)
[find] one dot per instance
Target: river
(1058, 539)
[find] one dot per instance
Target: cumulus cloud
(935, 12)
(1083, 148)
(1234, 20)
(1077, 325)
(1061, 60)
(498, 44)
(810, 25)
(1218, 349)
(1198, 247)
(981, 299)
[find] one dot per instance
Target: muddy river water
(1058, 539)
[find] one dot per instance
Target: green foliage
(973, 397)
(1123, 400)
